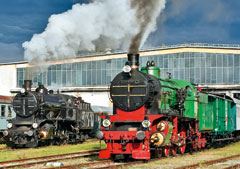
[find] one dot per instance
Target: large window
(201, 68)
(9, 111)
(3, 110)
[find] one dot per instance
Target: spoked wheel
(166, 151)
(182, 148)
(32, 144)
(127, 157)
(113, 157)
(174, 150)
(158, 153)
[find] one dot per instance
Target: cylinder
(27, 85)
(133, 60)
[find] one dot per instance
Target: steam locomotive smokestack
(27, 85)
(133, 60)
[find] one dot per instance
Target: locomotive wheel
(85, 137)
(174, 150)
(158, 153)
(166, 151)
(11, 144)
(82, 138)
(32, 144)
(181, 149)
(113, 157)
(127, 157)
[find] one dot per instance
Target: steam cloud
(115, 24)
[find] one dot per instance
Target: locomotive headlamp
(99, 135)
(127, 68)
(106, 123)
(146, 123)
(161, 126)
(34, 125)
(5, 133)
(30, 133)
(22, 90)
(140, 135)
(9, 125)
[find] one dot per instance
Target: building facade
(209, 65)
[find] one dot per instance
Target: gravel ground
(196, 157)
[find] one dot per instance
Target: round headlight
(5, 133)
(146, 123)
(99, 135)
(22, 90)
(106, 123)
(34, 125)
(140, 135)
(30, 133)
(127, 68)
(9, 125)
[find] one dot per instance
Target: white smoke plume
(92, 27)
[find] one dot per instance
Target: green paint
(169, 134)
(152, 70)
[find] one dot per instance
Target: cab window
(3, 111)
(9, 111)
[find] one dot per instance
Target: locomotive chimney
(133, 60)
(27, 85)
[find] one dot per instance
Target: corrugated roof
(5, 99)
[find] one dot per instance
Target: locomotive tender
(159, 117)
(44, 118)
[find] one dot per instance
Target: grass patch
(3, 146)
(50, 150)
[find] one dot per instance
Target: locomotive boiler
(44, 118)
(158, 117)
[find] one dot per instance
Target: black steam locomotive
(45, 118)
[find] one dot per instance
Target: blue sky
(206, 21)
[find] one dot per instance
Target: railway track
(41, 160)
(106, 164)
(233, 166)
(100, 165)
(89, 165)
(212, 162)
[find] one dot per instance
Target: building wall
(95, 98)
(200, 67)
(7, 79)
(206, 65)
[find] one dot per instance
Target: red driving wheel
(166, 151)
(174, 150)
(182, 148)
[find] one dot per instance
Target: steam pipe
(133, 60)
(27, 85)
